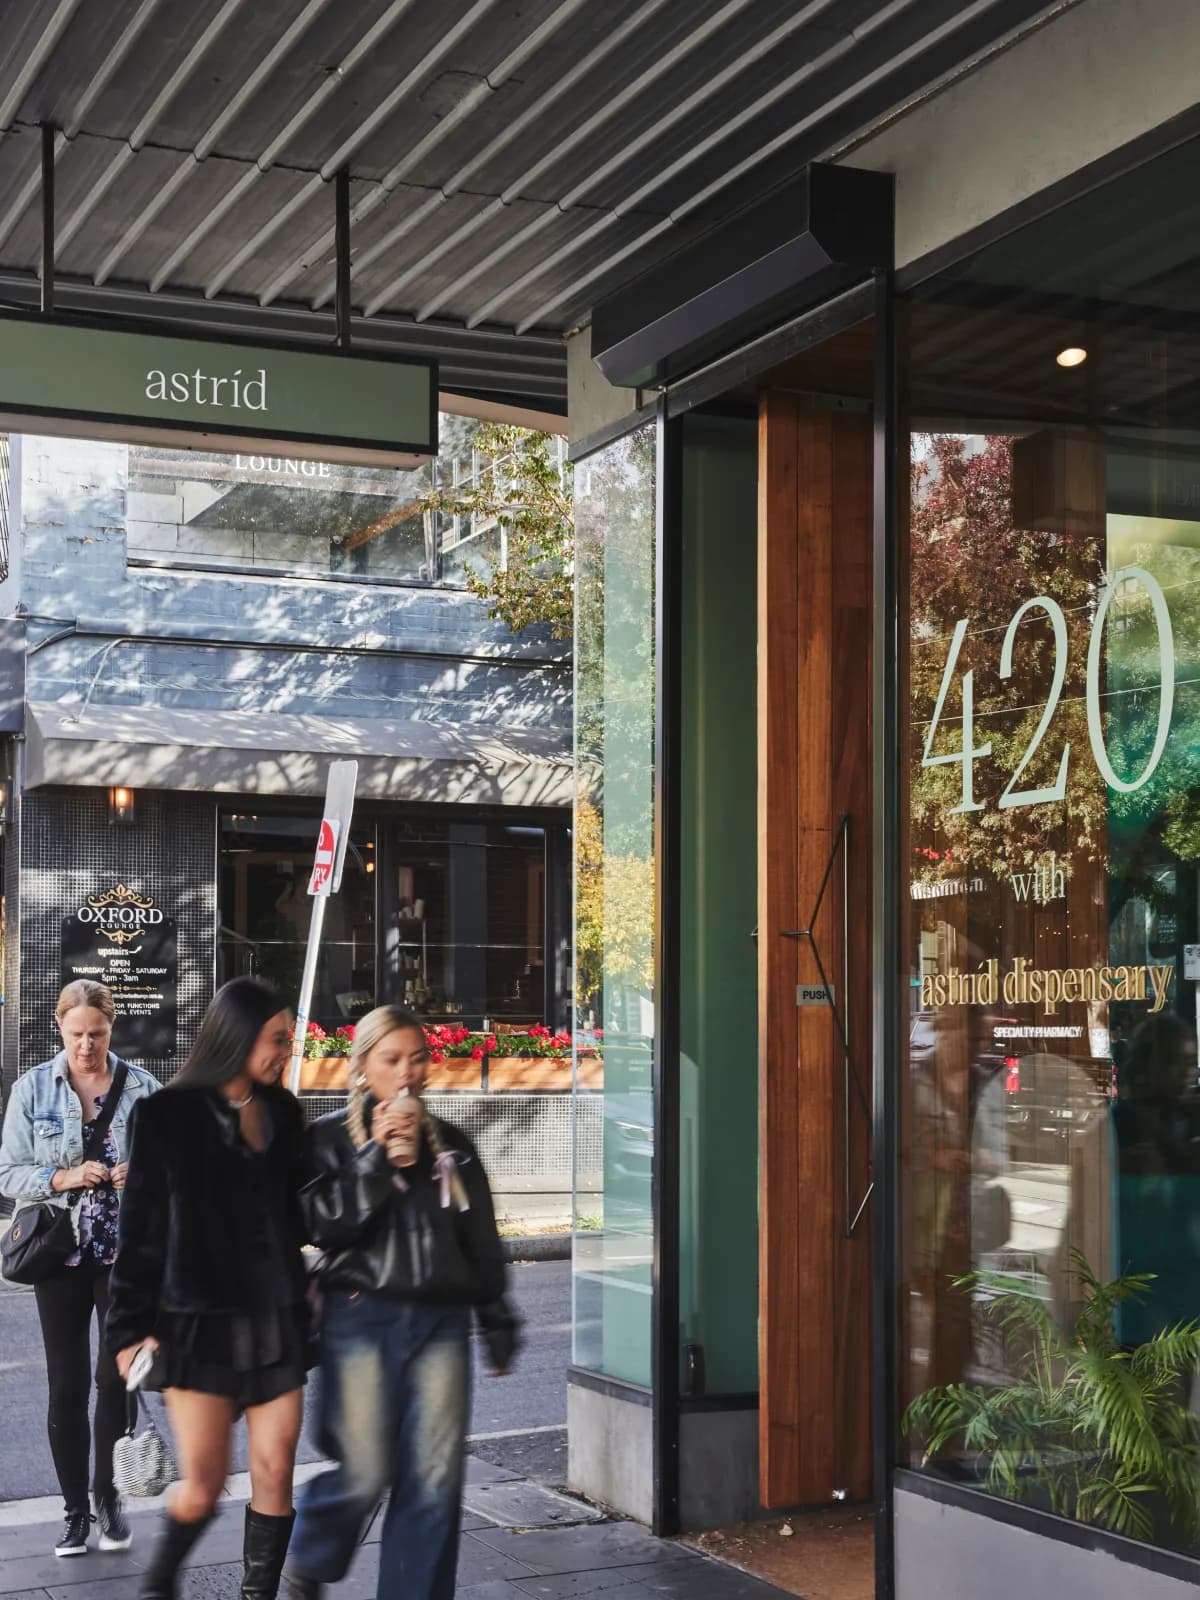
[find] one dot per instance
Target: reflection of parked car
(986, 1061)
(1048, 1098)
(922, 1038)
(629, 1134)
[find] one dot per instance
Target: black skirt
(249, 1359)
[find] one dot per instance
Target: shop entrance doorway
(814, 950)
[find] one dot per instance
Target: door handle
(851, 1214)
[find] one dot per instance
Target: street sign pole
(326, 880)
(306, 989)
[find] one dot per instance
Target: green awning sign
(154, 388)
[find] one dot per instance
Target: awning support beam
(341, 304)
(49, 134)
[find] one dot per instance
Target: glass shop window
(265, 908)
(1051, 1140)
(194, 508)
(466, 927)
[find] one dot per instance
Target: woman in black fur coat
(209, 1275)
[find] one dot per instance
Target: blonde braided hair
(372, 1030)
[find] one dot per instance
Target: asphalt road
(533, 1397)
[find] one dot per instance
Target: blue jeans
(395, 1394)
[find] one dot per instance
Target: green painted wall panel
(719, 1034)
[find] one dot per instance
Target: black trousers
(66, 1304)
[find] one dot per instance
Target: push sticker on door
(814, 994)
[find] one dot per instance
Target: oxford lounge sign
(120, 937)
(149, 387)
(120, 913)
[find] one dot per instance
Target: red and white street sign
(321, 881)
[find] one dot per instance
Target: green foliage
(1093, 1431)
(970, 561)
(614, 913)
(614, 726)
(1182, 831)
(523, 486)
(318, 1045)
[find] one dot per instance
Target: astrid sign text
(359, 408)
(1023, 984)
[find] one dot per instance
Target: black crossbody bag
(41, 1237)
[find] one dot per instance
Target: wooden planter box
(591, 1072)
(543, 1072)
(456, 1072)
(528, 1072)
(331, 1074)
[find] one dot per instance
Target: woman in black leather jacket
(400, 1205)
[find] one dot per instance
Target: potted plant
(455, 1056)
(533, 1059)
(530, 1058)
(589, 1061)
(1087, 1429)
(326, 1064)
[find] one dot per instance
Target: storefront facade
(196, 636)
(885, 735)
(885, 915)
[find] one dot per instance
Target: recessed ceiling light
(1072, 356)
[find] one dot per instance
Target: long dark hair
(235, 1017)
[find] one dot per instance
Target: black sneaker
(115, 1533)
(74, 1541)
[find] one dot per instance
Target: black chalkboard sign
(122, 939)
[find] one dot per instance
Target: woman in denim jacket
(41, 1159)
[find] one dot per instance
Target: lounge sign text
(150, 387)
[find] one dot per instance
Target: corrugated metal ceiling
(512, 160)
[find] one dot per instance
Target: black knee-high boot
(265, 1549)
(174, 1541)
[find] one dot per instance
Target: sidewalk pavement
(521, 1541)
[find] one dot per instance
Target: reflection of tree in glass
(970, 561)
(614, 723)
(1167, 808)
(614, 908)
(614, 578)
(522, 482)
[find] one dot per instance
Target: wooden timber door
(814, 947)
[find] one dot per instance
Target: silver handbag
(142, 1462)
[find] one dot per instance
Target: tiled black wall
(68, 850)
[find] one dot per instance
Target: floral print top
(98, 1210)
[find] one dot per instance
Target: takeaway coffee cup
(402, 1151)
